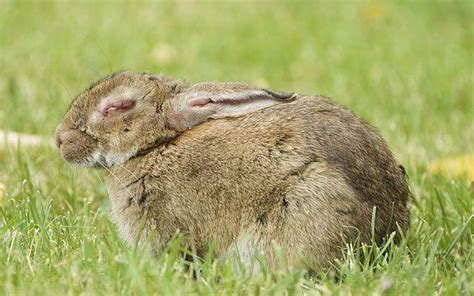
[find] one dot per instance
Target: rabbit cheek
(121, 148)
(118, 158)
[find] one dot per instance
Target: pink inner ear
(117, 107)
(199, 101)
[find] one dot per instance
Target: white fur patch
(113, 158)
(91, 160)
(117, 158)
(246, 249)
(108, 159)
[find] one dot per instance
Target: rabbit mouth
(102, 160)
(75, 146)
(95, 157)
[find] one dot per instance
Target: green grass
(405, 66)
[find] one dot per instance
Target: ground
(407, 68)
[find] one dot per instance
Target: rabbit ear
(209, 101)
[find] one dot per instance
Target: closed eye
(117, 107)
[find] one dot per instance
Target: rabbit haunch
(235, 166)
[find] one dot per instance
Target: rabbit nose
(59, 135)
(65, 136)
(74, 145)
(58, 141)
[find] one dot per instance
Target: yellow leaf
(455, 166)
(371, 12)
(164, 53)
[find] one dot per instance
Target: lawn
(404, 66)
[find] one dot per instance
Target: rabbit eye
(126, 129)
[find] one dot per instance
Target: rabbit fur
(247, 170)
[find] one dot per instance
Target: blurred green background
(406, 67)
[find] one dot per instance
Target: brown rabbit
(239, 167)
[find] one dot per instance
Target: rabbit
(253, 172)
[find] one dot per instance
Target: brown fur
(300, 174)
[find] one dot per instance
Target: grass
(405, 66)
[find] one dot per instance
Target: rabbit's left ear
(209, 101)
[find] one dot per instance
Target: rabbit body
(252, 172)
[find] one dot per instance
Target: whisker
(63, 84)
(117, 178)
(129, 171)
(106, 57)
(102, 181)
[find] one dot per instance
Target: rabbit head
(130, 113)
